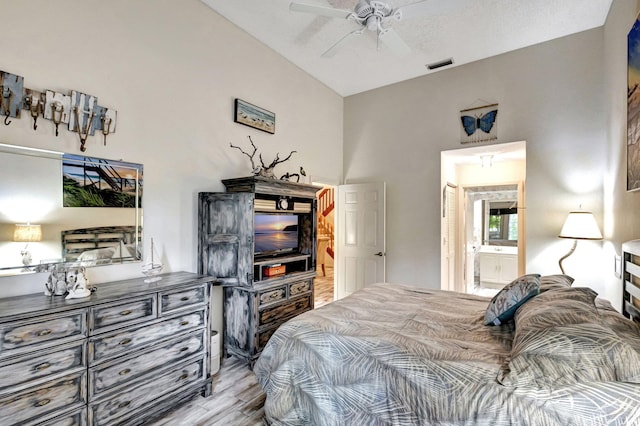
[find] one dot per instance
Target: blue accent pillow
(505, 304)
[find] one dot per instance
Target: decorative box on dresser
(124, 355)
(255, 301)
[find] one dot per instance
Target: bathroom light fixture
(486, 160)
(27, 233)
(579, 226)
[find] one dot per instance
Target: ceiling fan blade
(426, 8)
(334, 49)
(320, 10)
(390, 37)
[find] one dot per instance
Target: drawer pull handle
(186, 348)
(125, 372)
(184, 376)
(125, 313)
(124, 404)
(42, 402)
(185, 322)
(43, 366)
(125, 341)
(44, 332)
(184, 298)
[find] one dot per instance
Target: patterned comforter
(399, 355)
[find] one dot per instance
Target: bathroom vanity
(498, 265)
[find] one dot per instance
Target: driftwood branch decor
(262, 170)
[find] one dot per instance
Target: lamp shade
(581, 226)
(27, 233)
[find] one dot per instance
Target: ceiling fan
(374, 15)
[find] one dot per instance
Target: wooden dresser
(129, 352)
(256, 302)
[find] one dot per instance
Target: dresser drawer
(300, 287)
(42, 400)
(183, 298)
(121, 313)
(77, 418)
(119, 407)
(122, 342)
(123, 371)
(282, 312)
(40, 365)
(264, 336)
(272, 295)
(46, 330)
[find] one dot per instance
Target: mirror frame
(104, 236)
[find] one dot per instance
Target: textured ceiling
(465, 30)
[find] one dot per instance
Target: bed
(402, 355)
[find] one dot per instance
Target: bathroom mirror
(58, 208)
(501, 222)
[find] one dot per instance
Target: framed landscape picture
(633, 107)
(254, 116)
(96, 182)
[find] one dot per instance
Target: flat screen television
(275, 234)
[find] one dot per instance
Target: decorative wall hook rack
(34, 103)
(12, 86)
(57, 108)
(83, 129)
(79, 111)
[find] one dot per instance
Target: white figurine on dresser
(77, 284)
(56, 284)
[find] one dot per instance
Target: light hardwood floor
(237, 398)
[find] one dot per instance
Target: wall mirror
(58, 208)
(501, 222)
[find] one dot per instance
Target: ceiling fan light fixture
(440, 64)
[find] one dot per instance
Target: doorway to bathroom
(483, 217)
(491, 233)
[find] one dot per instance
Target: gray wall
(550, 95)
(171, 68)
(621, 218)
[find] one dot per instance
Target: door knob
(379, 254)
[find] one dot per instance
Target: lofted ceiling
(464, 30)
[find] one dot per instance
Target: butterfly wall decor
(479, 124)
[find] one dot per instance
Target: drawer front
(78, 418)
(26, 369)
(122, 313)
(277, 314)
(25, 334)
(114, 409)
(272, 295)
(39, 401)
(122, 342)
(180, 299)
(300, 287)
(108, 376)
(264, 336)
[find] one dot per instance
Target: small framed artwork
(254, 116)
(479, 124)
(633, 107)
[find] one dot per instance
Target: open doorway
(324, 282)
(491, 234)
(483, 227)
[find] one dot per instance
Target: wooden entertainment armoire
(260, 291)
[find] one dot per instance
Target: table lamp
(579, 226)
(27, 233)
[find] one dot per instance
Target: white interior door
(360, 254)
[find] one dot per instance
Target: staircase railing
(326, 205)
(325, 201)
